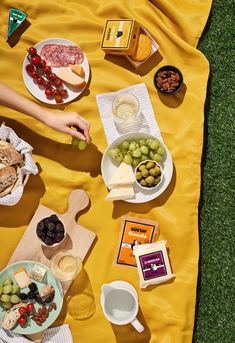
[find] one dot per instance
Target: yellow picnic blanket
(167, 311)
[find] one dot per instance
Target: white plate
(39, 93)
(108, 167)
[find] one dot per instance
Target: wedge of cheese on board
(124, 192)
(123, 176)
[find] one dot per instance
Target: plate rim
(66, 100)
(59, 285)
(168, 154)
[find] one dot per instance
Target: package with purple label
(153, 263)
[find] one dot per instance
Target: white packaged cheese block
(121, 193)
(123, 176)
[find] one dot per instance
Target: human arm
(60, 121)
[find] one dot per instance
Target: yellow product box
(135, 231)
(120, 37)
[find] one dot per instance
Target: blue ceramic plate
(32, 327)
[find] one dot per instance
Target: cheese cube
(38, 273)
(22, 278)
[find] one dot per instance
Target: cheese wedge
(72, 79)
(121, 193)
(123, 176)
(22, 278)
(77, 69)
(15, 20)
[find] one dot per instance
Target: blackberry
(58, 237)
(46, 221)
(31, 295)
(51, 234)
(40, 226)
(48, 241)
(60, 228)
(33, 287)
(54, 218)
(23, 296)
(40, 233)
(51, 226)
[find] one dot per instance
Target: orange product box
(135, 231)
(120, 36)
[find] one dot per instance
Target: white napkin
(59, 334)
(6, 133)
(146, 122)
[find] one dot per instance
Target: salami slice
(61, 55)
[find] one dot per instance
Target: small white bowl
(161, 176)
(55, 244)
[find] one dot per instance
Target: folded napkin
(6, 133)
(59, 334)
(145, 122)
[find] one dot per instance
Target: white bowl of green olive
(148, 174)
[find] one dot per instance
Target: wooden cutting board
(78, 238)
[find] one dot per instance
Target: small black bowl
(176, 88)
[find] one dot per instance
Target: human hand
(66, 121)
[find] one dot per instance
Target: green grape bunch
(136, 151)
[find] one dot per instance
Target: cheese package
(124, 192)
(38, 273)
(153, 263)
(123, 176)
(120, 37)
(22, 278)
(135, 231)
(16, 18)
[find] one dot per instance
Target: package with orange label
(135, 231)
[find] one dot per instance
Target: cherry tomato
(40, 81)
(22, 310)
(47, 70)
(64, 93)
(32, 51)
(49, 92)
(22, 320)
(36, 60)
(34, 74)
(29, 68)
(30, 307)
(56, 92)
(58, 98)
(47, 84)
(52, 77)
(43, 64)
(58, 82)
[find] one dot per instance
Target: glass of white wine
(65, 266)
(125, 108)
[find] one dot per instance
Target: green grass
(215, 301)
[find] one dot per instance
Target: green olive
(150, 165)
(138, 175)
(141, 167)
(153, 171)
(156, 181)
(145, 172)
(149, 180)
(143, 183)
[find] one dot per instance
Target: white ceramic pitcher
(119, 302)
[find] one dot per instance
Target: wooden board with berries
(60, 232)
